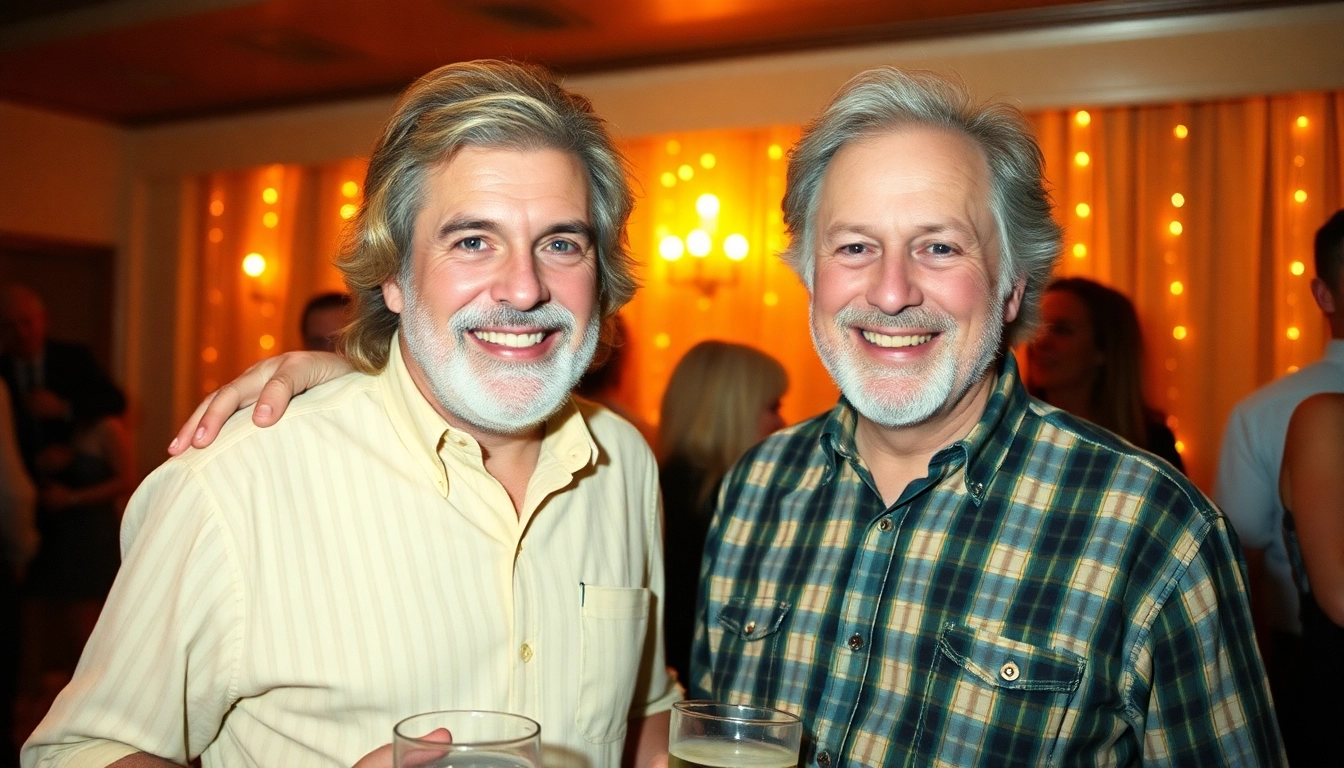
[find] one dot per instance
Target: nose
(894, 284)
(520, 282)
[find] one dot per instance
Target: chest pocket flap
(753, 620)
(1002, 663)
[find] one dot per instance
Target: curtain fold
(1203, 213)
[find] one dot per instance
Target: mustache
(551, 317)
(911, 317)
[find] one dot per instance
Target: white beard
(892, 396)
(499, 396)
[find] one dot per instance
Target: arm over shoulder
(159, 672)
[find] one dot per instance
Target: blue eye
(854, 249)
(941, 249)
(562, 246)
(472, 243)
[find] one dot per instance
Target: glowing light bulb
(1302, 121)
(1082, 158)
(216, 235)
(1181, 131)
(270, 220)
(1178, 200)
(269, 195)
(707, 206)
(668, 179)
(662, 341)
(1177, 288)
(686, 173)
(770, 299)
(1175, 228)
(216, 207)
(1292, 369)
(1180, 446)
(267, 341)
(1079, 251)
(774, 152)
(735, 247)
(348, 210)
(1299, 161)
(1082, 118)
(671, 248)
(707, 160)
(1300, 195)
(349, 189)
(254, 264)
(209, 354)
(1293, 333)
(698, 243)
(1297, 268)
(1178, 332)
(1083, 210)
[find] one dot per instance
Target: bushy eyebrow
(453, 226)
(845, 228)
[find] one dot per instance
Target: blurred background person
(604, 378)
(722, 399)
(1088, 360)
(1311, 487)
(323, 318)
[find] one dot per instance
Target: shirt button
(525, 653)
(855, 642)
(751, 627)
(1009, 671)
(884, 524)
(823, 759)
(978, 488)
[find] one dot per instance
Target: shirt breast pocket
(995, 701)
(750, 646)
(613, 622)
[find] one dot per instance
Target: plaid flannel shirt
(1047, 595)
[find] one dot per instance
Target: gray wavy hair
(480, 104)
(886, 99)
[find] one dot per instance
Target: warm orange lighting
(1302, 121)
(1178, 200)
(770, 299)
(209, 354)
(1081, 158)
(1177, 288)
(703, 303)
(254, 264)
(1300, 195)
(1173, 422)
(1082, 118)
(1292, 369)
(671, 248)
(707, 160)
(774, 152)
(1299, 161)
(669, 179)
(1181, 131)
(698, 243)
(348, 210)
(1079, 251)
(1083, 210)
(1293, 333)
(216, 207)
(349, 189)
(270, 219)
(216, 235)
(1180, 446)
(267, 341)
(735, 247)
(673, 147)
(1175, 228)
(662, 341)
(686, 173)
(1171, 363)
(1178, 332)
(1297, 268)
(269, 195)
(707, 206)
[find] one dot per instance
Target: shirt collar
(980, 452)
(567, 446)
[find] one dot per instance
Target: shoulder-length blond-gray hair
(482, 104)
(887, 99)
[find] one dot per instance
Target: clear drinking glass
(478, 740)
(707, 734)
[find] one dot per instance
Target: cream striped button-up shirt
(289, 594)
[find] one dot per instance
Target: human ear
(392, 295)
(1325, 298)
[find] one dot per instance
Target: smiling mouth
(514, 340)
(884, 340)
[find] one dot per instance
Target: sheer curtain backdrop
(1203, 213)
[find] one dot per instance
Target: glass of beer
(466, 739)
(707, 734)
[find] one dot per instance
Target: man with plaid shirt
(941, 570)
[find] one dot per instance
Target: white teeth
(517, 340)
(883, 340)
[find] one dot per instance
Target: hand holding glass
(707, 734)
(466, 739)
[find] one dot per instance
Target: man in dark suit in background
(55, 384)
